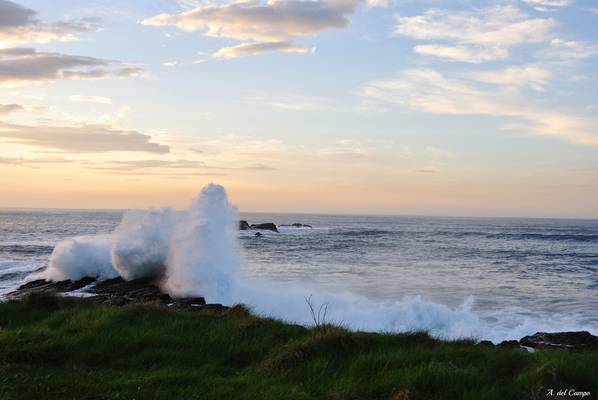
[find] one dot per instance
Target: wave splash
(195, 253)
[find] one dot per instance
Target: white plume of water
(204, 256)
(194, 253)
(141, 243)
(79, 257)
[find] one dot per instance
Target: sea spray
(141, 243)
(194, 253)
(204, 256)
(79, 257)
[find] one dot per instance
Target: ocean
(510, 276)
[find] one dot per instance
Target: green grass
(53, 348)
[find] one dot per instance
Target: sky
(425, 107)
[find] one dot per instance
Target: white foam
(79, 257)
(141, 243)
(204, 257)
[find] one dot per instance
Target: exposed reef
(117, 292)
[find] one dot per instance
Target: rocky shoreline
(118, 292)
(115, 292)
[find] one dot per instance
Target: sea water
(495, 278)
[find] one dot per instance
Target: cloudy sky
(346, 106)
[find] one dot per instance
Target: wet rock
(244, 225)
(268, 226)
(576, 341)
(118, 292)
(296, 225)
(511, 344)
(43, 286)
(188, 302)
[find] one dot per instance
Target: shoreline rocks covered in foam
(114, 292)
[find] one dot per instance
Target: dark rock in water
(43, 286)
(244, 225)
(296, 225)
(258, 234)
(118, 292)
(268, 226)
(577, 341)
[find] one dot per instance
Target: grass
(60, 348)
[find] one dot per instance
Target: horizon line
(348, 214)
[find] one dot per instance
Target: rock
(188, 302)
(82, 282)
(244, 225)
(258, 234)
(514, 344)
(576, 341)
(43, 286)
(118, 292)
(268, 226)
(296, 225)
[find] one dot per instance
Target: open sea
(516, 275)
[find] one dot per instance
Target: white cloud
(18, 25)
(548, 5)
(251, 49)
(91, 99)
(83, 139)
(170, 64)
(527, 75)
(25, 66)
(570, 50)
(261, 25)
(474, 36)
(461, 53)
(429, 91)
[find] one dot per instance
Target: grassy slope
(67, 349)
